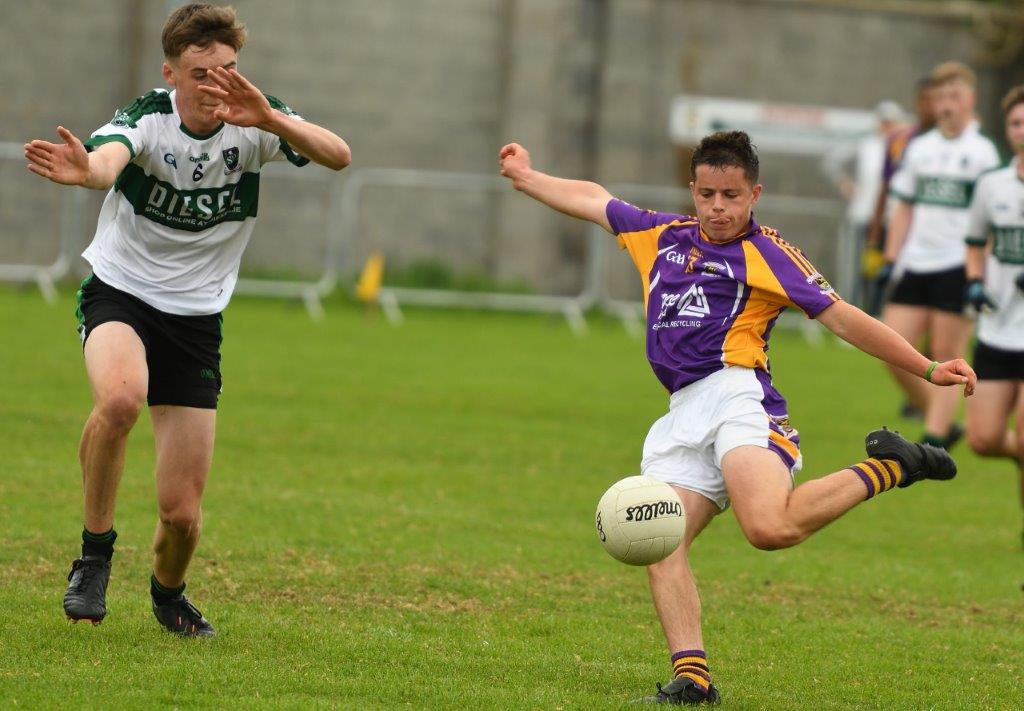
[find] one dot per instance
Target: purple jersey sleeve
(625, 218)
(787, 273)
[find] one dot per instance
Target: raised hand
(244, 104)
(65, 163)
(955, 372)
(514, 160)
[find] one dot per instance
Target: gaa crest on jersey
(231, 160)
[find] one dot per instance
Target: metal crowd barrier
(392, 298)
(72, 207)
(343, 227)
(311, 292)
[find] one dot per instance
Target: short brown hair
(727, 149)
(953, 71)
(201, 24)
(1013, 97)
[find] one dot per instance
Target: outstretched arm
(245, 105)
(576, 198)
(68, 163)
(875, 338)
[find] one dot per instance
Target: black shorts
(182, 352)
(936, 290)
(992, 363)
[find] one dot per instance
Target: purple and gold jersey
(713, 305)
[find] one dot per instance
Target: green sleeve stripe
(153, 102)
(976, 241)
(97, 141)
(293, 157)
(901, 196)
(277, 104)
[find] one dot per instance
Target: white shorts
(707, 419)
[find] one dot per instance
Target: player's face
(954, 106)
(188, 72)
(1015, 128)
(725, 200)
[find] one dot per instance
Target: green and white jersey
(173, 227)
(997, 214)
(937, 175)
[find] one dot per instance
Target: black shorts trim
(936, 290)
(182, 352)
(991, 363)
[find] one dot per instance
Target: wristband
(931, 369)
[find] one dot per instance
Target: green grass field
(402, 517)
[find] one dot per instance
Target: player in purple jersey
(714, 285)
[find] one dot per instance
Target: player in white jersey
(933, 187)
(995, 274)
(183, 171)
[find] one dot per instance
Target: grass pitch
(402, 517)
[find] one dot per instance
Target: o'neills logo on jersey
(649, 512)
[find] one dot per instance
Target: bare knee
(987, 444)
(183, 520)
(120, 411)
(773, 535)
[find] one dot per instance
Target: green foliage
(402, 517)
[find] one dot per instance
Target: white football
(640, 520)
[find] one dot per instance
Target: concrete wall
(585, 84)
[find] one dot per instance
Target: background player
(184, 170)
(875, 267)
(856, 171)
(925, 240)
(996, 290)
(713, 287)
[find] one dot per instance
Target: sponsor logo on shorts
(649, 512)
(208, 374)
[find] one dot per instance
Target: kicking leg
(771, 513)
(774, 515)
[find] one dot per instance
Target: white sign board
(782, 128)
